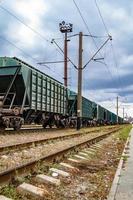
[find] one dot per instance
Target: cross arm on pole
(109, 38)
(53, 41)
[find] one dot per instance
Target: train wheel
(17, 128)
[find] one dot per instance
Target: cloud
(104, 81)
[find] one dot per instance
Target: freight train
(28, 95)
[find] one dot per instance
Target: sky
(27, 28)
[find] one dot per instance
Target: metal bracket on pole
(109, 38)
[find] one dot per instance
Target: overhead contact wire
(80, 13)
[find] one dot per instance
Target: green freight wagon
(94, 110)
(108, 116)
(92, 113)
(113, 118)
(120, 120)
(101, 114)
(87, 107)
(29, 94)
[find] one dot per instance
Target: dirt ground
(94, 179)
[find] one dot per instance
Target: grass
(10, 192)
(124, 133)
(125, 158)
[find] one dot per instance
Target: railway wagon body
(101, 114)
(113, 118)
(105, 116)
(108, 117)
(29, 94)
(92, 113)
(120, 120)
(89, 109)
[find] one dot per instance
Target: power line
(92, 58)
(106, 29)
(44, 38)
(52, 70)
(116, 66)
(41, 34)
(80, 13)
(115, 62)
(95, 36)
(53, 41)
(105, 26)
(114, 55)
(19, 48)
(25, 53)
(87, 27)
(32, 29)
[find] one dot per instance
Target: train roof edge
(19, 61)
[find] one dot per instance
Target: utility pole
(79, 96)
(117, 109)
(80, 69)
(68, 28)
(123, 114)
(65, 28)
(65, 61)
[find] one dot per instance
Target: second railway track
(4, 148)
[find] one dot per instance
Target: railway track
(22, 140)
(47, 139)
(54, 153)
(28, 130)
(31, 129)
